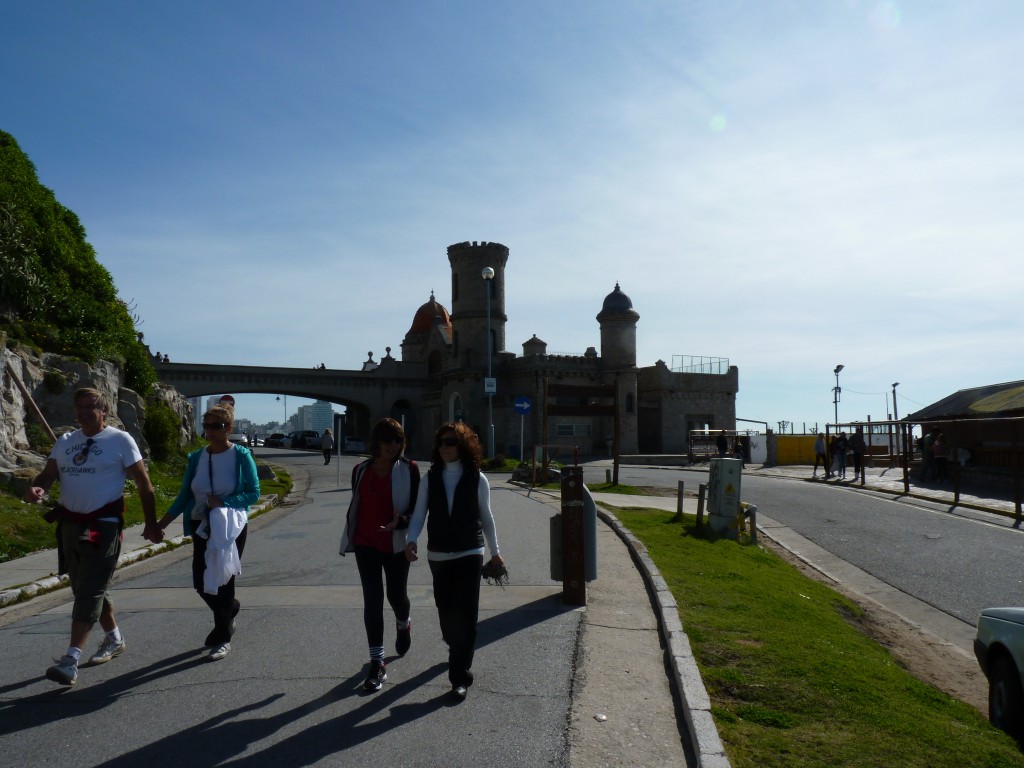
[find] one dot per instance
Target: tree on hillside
(53, 291)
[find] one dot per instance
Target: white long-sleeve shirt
(451, 475)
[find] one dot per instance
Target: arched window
(630, 402)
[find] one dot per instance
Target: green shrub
(161, 430)
(53, 283)
(38, 440)
(55, 382)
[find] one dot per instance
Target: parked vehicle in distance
(275, 440)
(302, 438)
(354, 446)
(238, 437)
(999, 647)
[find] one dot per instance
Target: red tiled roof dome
(425, 316)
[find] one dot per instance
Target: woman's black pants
(457, 596)
(223, 604)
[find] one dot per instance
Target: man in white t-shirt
(91, 465)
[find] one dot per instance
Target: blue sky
(790, 185)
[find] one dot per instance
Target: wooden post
(702, 491)
(679, 502)
(574, 583)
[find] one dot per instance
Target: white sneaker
(108, 649)
(218, 652)
(65, 671)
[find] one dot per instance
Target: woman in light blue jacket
(220, 475)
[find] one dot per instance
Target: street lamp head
(487, 273)
(838, 369)
(895, 384)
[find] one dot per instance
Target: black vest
(461, 530)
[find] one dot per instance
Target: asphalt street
(555, 685)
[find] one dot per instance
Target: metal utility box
(724, 485)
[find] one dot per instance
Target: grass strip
(23, 530)
(794, 679)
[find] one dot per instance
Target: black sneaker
(376, 676)
(403, 640)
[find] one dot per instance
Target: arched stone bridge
(392, 389)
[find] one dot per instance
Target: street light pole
(836, 391)
(488, 275)
(895, 413)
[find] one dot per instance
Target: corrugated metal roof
(991, 401)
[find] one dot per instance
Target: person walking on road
(940, 459)
(91, 464)
(384, 489)
(219, 486)
(857, 448)
(722, 444)
(841, 446)
(455, 504)
(327, 445)
(821, 456)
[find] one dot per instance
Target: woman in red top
(384, 490)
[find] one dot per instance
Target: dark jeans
(374, 568)
(327, 455)
(858, 463)
(821, 457)
(223, 604)
(457, 596)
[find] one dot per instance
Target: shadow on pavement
(225, 737)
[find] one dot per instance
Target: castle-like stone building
(655, 407)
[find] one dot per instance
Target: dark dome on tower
(617, 303)
(429, 314)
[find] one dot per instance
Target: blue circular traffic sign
(523, 405)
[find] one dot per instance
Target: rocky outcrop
(51, 380)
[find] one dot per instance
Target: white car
(999, 646)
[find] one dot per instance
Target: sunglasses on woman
(214, 425)
(448, 442)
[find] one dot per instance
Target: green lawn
(23, 530)
(793, 679)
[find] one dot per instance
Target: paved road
(290, 692)
(958, 560)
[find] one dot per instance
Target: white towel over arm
(222, 560)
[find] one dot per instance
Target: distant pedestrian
(857, 448)
(91, 464)
(327, 445)
(820, 455)
(454, 503)
(739, 452)
(928, 455)
(384, 490)
(219, 486)
(940, 459)
(842, 444)
(722, 444)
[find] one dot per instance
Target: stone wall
(51, 380)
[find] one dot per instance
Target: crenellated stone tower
(469, 302)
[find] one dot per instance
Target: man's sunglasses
(85, 449)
